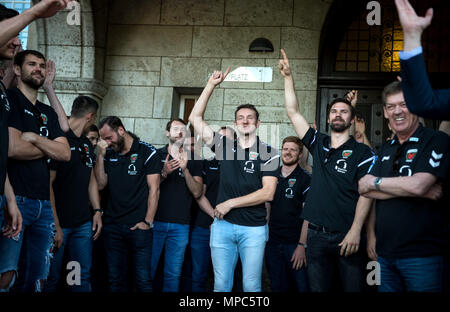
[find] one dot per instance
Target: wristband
(302, 244)
(148, 223)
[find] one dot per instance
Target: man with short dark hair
(286, 248)
(337, 216)
(411, 219)
(131, 170)
(247, 180)
(34, 136)
(181, 184)
(72, 187)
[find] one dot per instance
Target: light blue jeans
(228, 241)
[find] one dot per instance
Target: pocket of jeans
(20, 199)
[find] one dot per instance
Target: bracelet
(148, 223)
(98, 210)
(302, 244)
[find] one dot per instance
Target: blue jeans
(323, 256)
(175, 238)
(411, 274)
(29, 253)
(228, 241)
(201, 257)
(77, 245)
(279, 265)
(120, 243)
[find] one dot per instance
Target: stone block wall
(135, 56)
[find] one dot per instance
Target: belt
(320, 228)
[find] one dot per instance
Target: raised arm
(45, 8)
(53, 99)
(299, 122)
(196, 116)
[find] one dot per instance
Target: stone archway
(75, 50)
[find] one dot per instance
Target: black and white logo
(249, 166)
(341, 166)
(132, 170)
(289, 193)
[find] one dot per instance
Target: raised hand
(360, 125)
(283, 65)
(48, 8)
(412, 25)
(102, 146)
(352, 97)
(50, 74)
(217, 77)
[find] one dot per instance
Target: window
(19, 6)
(375, 48)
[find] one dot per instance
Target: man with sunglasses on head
(34, 136)
(72, 186)
(335, 211)
(410, 219)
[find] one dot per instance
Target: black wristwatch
(148, 223)
(98, 210)
(302, 244)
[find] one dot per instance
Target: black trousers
(324, 260)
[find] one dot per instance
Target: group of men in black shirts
(249, 207)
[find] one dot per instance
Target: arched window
(19, 6)
(354, 55)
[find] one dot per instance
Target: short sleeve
(434, 158)
(153, 164)
(310, 139)
(365, 162)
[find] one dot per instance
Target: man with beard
(181, 183)
(247, 180)
(34, 136)
(335, 211)
(131, 170)
(286, 248)
(72, 187)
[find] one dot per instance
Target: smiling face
(290, 153)
(114, 138)
(246, 121)
(400, 119)
(32, 72)
(340, 117)
(177, 132)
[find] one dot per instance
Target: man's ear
(17, 70)
(258, 123)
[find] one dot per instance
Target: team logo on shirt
(341, 166)
(132, 170)
(253, 155)
(405, 171)
(249, 166)
(289, 193)
(291, 182)
(410, 154)
(44, 118)
(346, 153)
(133, 158)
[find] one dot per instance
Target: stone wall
(137, 57)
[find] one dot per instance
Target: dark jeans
(201, 257)
(77, 246)
(279, 265)
(323, 256)
(121, 242)
(411, 274)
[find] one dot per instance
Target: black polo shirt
(175, 198)
(408, 227)
(331, 201)
(285, 224)
(210, 174)
(127, 182)
(4, 136)
(71, 184)
(31, 178)
(241, 173)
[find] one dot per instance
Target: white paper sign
(250, 74)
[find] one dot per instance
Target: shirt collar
(414, 138)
